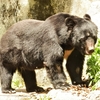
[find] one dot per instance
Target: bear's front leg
(57, 76)
(74, 67)
(53, 58)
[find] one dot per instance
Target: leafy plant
(17, 81)
(93, 63)
(44, 98)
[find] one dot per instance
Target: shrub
(93, 64)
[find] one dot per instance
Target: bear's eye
(81, 40)
(87, 34)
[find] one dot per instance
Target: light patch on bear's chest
(66, 55)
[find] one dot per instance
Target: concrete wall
(12, 11)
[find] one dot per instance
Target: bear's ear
(70, 22)
(87, 17)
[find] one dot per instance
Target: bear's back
(17, 32)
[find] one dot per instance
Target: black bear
(75, 62)
(31, 44)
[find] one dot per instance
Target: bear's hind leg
(30, 81)
(6, 79)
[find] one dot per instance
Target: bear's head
(83, 34)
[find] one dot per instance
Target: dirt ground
(72, 93)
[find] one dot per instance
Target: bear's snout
(90, 45)
(89, 51)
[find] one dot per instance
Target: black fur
(75, 61)
(31, 44)
(75, 66)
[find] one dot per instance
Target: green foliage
(44, 98)
(93, 63)
(17, 81)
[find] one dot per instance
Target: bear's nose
(91, 51)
